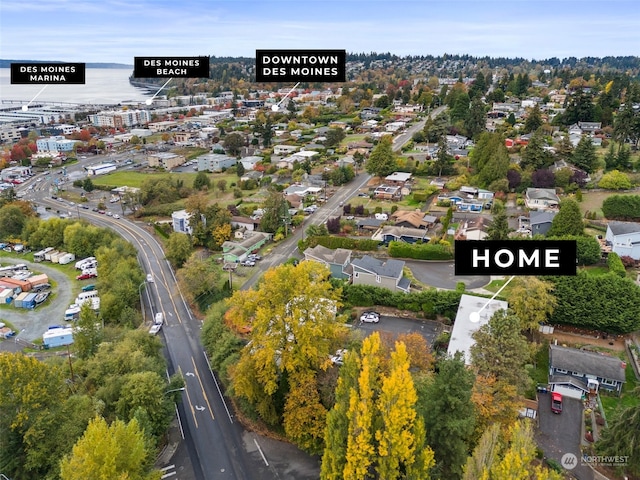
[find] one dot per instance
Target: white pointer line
(26, 107)
(477, 314)
(285, 97)
(150, 100)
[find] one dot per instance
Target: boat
(41, 297)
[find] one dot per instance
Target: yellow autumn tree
(294, 330)
(361, 451)
(397, 442)
(107, 452)
(532, 301)
(495, 401)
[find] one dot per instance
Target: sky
(119, 30)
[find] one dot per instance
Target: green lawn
(628, 398)
(135, 179)
(352, 138)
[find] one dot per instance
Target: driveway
(560, 434)
(440, 275)
(397, 325)
(31, 324)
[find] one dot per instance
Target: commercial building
(120, 118)
(166, 160)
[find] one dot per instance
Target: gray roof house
(337, 260)
(386, 274)
(624, 238)
(541, 199)
(573, 370)
(540, 222)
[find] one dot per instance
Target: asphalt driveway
(560, 434)
(440, 275)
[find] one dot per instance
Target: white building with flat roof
(473, 313)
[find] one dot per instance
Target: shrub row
(333, 242)
(423, 251)
(621, 207)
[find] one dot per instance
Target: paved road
(218, 444)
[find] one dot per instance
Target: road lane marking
(218, 387)
(206, 399)
(186, 390)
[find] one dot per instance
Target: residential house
(386, 274)
(285, 149)
(470, 205)
(372, 224)
(390, 233)
(166, 160)
(397, 179)
(346, 161)
(249, 163)
(244, 223)
(388, 192)
(472, 229)
(540, 221)
(410, 219)
(180, 222)
(337, 260)
(238, 249)
(252, 175)
(541, 199)
(369, 113)
(215, 162)
(624, 238)
(575, 372)
(590, 127)
(473, 313)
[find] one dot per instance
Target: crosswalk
(168, 471)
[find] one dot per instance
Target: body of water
(102, 86)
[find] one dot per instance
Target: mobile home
(57, 337)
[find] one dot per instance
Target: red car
(556, 402)
(86, 276)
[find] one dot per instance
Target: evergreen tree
(449, 417)
(568, 221)
(475, 120)
(534, 156)
(87, 334)
(534, 120)
(584, 156)
(499, 228)
(564, 149)
(610, 158)
(498, 163)
(502, 351)
(444, 159)
(623, 159)
(382, 161)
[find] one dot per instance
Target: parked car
(86, 276)
(88, 288)
(155, 328)
(253, 257)
(102, 212)
(370, 317)
(159, 318)
(116, 216)
(338, 358)
(94, 209)
(556, 402)
(248, 263)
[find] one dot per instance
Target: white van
(159, 319)
(81, 263)
(84, 295)
(382, 216)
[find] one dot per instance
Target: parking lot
(398, 325)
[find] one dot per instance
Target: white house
(473, 313)
(541, 199)
(624, 238)
(180, 221)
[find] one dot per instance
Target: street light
(181, 389)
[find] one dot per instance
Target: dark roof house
(386, 274)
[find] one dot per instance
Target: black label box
(48, 73)
(515, 257)
(324, 66)
(171, 67)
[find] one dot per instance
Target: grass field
(352, 138)
(592, 201)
